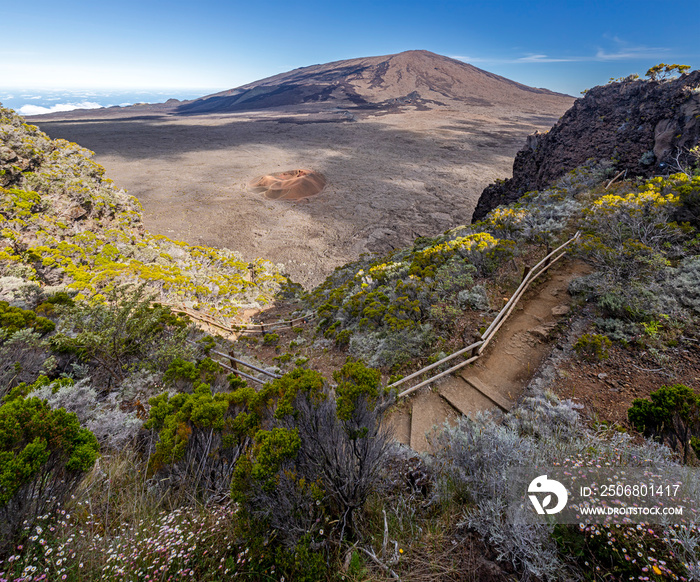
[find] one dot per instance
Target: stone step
(429, 410)
(492, 394)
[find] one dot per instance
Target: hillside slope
(225, 465)
(63, 224)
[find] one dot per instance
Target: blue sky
(215, 44)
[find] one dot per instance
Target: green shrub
(357, 385)
(664, 71)
(13, 319)
(43, 455)
(284, 358)
(672, 415)
(316, 458)
(125, 332)
(201, 436)
(343, 338)
(624, 332)
(271, 339)
(593, 347)
(187, 376)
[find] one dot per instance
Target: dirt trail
(498, 377)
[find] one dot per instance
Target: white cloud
(474, 59)
(619, 53)
(37, 110)
(547, 59)
(640, 52)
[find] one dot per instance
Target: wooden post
(526, 270)
(232, 357)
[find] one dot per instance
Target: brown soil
(390, 178)
(606, 389)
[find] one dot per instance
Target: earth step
(489, 392)
(464, 397)
(429, 409)
(399, 423)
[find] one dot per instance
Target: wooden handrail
(242, 327)
(438, 376)
(283, 322)
(241, 362)
(201, 317)
(495, 325)
(239, 373)
(524, 283)
(493, 331)
(436, 364)
(246, 364)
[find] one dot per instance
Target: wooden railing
(264, 328)
(235, 362)
(241, 328)
(476, 349)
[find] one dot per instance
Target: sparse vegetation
(664, 71)
(593, 346)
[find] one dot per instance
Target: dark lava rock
(640, 125)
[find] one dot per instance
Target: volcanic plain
(405, 143)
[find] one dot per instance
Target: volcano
(416, 79)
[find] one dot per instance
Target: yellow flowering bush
(63, 222)
(506, 221)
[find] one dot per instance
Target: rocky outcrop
(640, 126)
